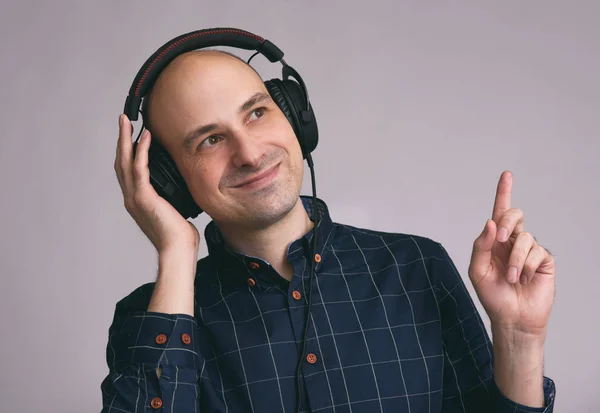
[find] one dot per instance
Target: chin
(264, 208)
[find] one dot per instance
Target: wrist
(519, 365)
(519, 360)
(518, 340)
(177, 270)
(174, 287)
(175, 257)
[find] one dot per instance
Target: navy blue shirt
(392, 329)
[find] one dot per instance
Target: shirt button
(161, 339)
(254, 265)
(296, 295)
(317, 258)
(251, 282)
(156, 403)
(311, 358)
(185, 337)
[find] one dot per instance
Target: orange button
(251, 282)
(185, 337)
(311, 358)
(317, 258)
(161, 339)
(254, 265)
(156, 403)
(296, 295)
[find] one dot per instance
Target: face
(234, 147)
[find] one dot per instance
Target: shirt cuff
(160, 339)
(507, 405)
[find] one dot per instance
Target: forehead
(200, 86)
(205, 77)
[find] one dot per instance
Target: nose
(248, 151)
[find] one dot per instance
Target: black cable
(317, 221)
(252, 57)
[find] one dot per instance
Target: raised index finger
(503, 196)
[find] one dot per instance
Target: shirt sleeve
(139, 342)
(469, 384)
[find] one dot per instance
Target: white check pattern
(392, 329)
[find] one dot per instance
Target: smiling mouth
(265, 176)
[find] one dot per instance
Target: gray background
(420, 105)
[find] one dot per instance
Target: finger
(536, 257)
(117, 164)
(520, 250)
(125, 153)
(482, 251)
(512, 222)
(503, 196)
(141, 174)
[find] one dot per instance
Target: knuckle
(479, 243)
(140, 199)
(127, 204)
(134, 201)
(137, 198)
(525, 239)
(534, 243)
(138, 167)
(137, 172)
(512, 213)
(528, 237)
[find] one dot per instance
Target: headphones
(291, 96)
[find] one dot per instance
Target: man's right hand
(166, 228)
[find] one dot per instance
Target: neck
(271, 243)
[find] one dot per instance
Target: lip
(261, 179)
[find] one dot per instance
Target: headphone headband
(187, 42)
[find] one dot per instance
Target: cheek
(290, 139)
(295, 149)
(201, 177)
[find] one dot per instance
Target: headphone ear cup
(281, 101)
(168, 182)
(290, 98)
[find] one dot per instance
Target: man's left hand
(512, 275)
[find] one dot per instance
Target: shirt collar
(238, 264)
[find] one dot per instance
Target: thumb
(482, 250)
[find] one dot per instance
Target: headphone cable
(317, 221)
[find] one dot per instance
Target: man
(392, 326)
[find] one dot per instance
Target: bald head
(188, 64)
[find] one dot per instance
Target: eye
(259, 112)
(210, 141)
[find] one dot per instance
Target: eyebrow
(191, 137)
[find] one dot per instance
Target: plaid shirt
(392, 329)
